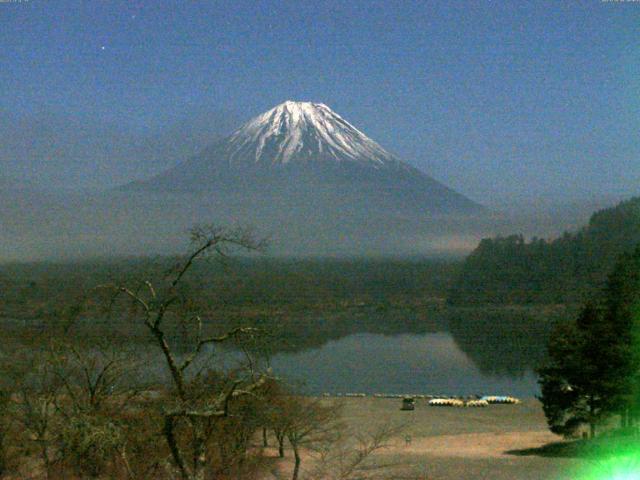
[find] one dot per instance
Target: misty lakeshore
(319, 240)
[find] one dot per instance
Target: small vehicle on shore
(408, 403)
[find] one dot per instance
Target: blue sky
(500, 100)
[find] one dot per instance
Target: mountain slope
(305, 155)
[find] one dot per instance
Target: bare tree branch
(159, 304)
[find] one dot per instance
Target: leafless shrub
(351, 455)
(36, 396)
(91, 445)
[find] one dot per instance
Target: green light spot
(625, 467)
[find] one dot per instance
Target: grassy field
(462, 443)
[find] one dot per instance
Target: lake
(396, 351)
(446, 351)
(430, 363)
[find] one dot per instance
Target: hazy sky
(520, 99)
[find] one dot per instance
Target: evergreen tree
(577, 384)
(593, 367)
(622, 300)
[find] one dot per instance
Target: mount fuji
(299, 174)
(304, 157)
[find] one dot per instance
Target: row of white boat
(479, 402)
(440, 400)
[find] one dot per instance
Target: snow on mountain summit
(295, 131)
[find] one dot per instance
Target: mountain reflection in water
(465, 352)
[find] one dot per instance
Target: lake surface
(409, 351)
(429, 363)
(447, 351)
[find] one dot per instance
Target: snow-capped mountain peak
(295, 131)
(302, 156)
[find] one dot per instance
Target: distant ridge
(568, 269)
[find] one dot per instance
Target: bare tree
(350, 455)
(234, 433)
(97, 384)
(96, 376)
(310, 422)
(37, 390)
(91, 445)
(5, 427)
(60, 395)
(154, 305)
(275, 415)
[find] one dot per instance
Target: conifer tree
(593, 367)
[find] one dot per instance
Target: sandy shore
(473, 445)
(458, 444)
